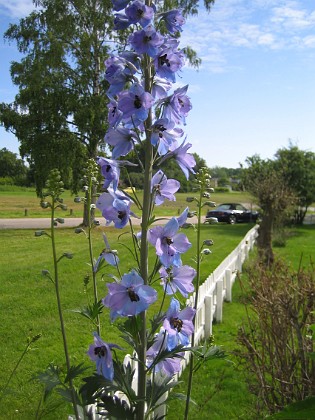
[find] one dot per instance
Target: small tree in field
(268, 185)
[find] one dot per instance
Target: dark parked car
(232, 213)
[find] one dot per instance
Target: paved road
(43, 223)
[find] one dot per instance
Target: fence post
(208, 316)
(228, 282)
(219, 306)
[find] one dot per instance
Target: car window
(240, 207)
(224, 207)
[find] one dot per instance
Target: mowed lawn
(28, 304)
(15, 202)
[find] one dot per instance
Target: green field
(14, 201)
(28, 304)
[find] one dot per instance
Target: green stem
(89, 202)
(146, 213)
(61, 320)
(191, 361)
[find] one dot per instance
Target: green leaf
(75, 371)
(115, 408)
(91, 311)
(301, 410)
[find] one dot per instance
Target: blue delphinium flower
(130, 296)
(100, 352)
(186, 161)
(146, 41)
(168, 366)
(119, 4)
(115, 207)
(138, 12)
(114, 115)
(178, 279)
(122, 139)
(121, 21)
(174, 20)
(109, 255)
(163, 188)
(178, 324)
(169, 61)
(169, 244)
(135, 103)
(110, 171)
(164, 135)
(177, 106)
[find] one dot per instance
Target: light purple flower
(164, 135)
(178, 324)
(181, 219)
(137, 11)
(160, 87)
(135, 103)
(146, 41)
(121, 21)
(168, 243)
(168, 366)
(174, 20)
(108, 255)
(114, 115)
(110, 171)
(130, 297)
(100, 352)
(168, 62)
(115, 207)
(178, 279)
(164, 188)
(177, 106)
(119, 4)
(186, 161)
(122, 139)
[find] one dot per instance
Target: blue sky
(255, 89)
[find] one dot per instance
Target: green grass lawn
(28, 304)
(14, 201)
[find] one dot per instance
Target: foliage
(275, 337)
(12, 168)
(263, 179)
(298, 166)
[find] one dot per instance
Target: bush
(275, 340)
(6, 181)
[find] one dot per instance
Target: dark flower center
(100, 351)
(147, 39)
(164, 60)
(140, 13)
(133, 295)
(137, 102)
(121, 214)
(108, 168)
(177, 324)
(169, 241)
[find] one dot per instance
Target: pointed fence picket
(216, 289)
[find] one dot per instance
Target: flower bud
(60, 220)
(78, 230)
(190, 199)
(187, 225)
(191, 214)
(206, 195)
(206, 251)
(96, 222)
(44, 204)
(77, 199)
(68, 255)
(40, 233)
(210, 204)
(63, 207)
(85, 188)
(208, 242)
(92, 206)
(211, 190)
(45, 273)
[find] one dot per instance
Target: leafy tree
(299, 169)
(268, 184)
(13, 167)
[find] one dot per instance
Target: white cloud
(259, 24)
(16, 8)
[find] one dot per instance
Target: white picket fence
(216, 289)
